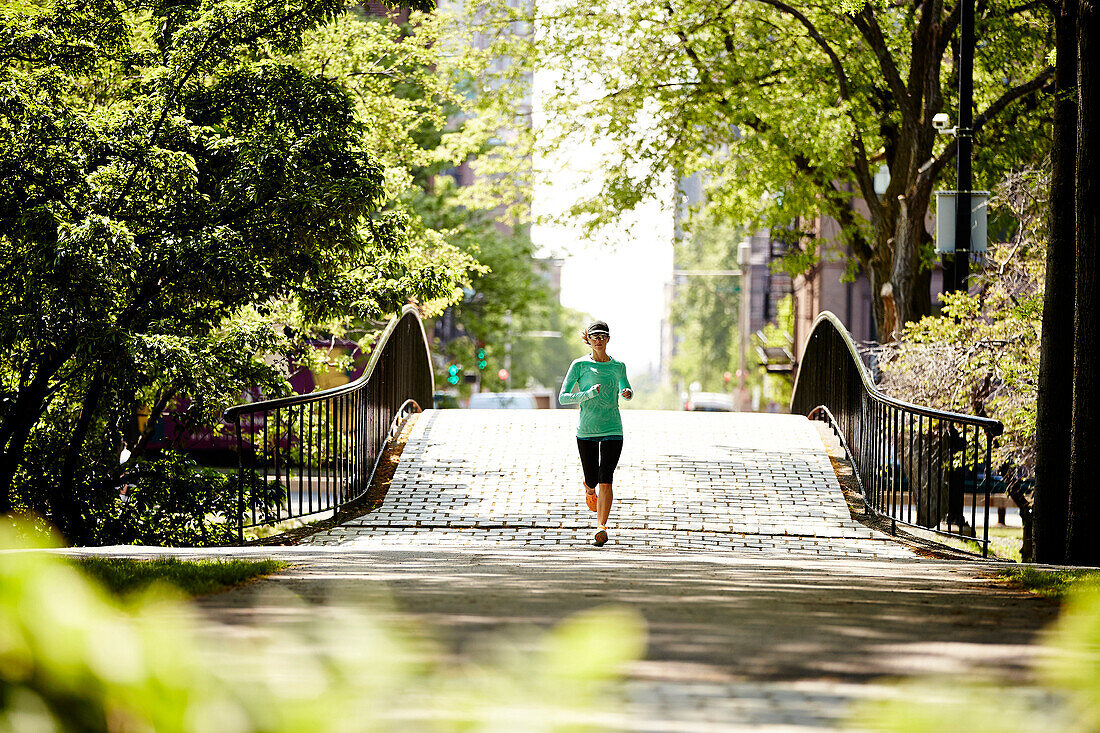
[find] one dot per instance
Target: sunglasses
(598, 336)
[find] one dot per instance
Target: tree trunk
(21, 422)
(878, 269)
(1055, 394)
(67, 504)
(1083, 542)
(911, 282)
(21, 419)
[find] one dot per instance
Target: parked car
(502, 401)
(444, 401)
(709, 402)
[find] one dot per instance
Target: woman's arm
(624, 386)
(567, 396)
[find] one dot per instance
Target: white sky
(619, 276)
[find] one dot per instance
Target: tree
(1066, 496)
(508, 293)
(410, 77)
(788, 109)
(170, 185)
(1082, 543)
(540, 357)
(1055, 392)
(705, 308)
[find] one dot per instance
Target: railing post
(988, 484)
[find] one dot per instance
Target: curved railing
(312, 453)
(914, 465)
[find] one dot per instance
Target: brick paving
(708, 482)
(767, 608)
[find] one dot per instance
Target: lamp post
(964, 133)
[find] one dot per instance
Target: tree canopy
(175, 179)
(789, 109)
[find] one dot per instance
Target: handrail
(362, 379)
(915, 465)
(868, 383)
(305, 454)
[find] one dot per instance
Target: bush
(73, 658)
(981, 355)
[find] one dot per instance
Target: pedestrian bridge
(687, 480)
(696, 481)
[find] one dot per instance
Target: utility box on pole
(945, 221)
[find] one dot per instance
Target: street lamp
(956, 268)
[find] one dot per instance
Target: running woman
(602, 380)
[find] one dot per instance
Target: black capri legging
(598, 459)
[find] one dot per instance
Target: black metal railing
(312, 453)
(914, 465)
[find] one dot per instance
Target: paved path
(768, 608)
(707, 482)
(736, 641)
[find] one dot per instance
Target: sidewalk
(735, 642)
(768, 608)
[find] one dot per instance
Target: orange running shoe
(590, 500)
(601, 537)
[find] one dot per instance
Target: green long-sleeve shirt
(599, 411)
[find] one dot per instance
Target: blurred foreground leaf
(75, 658)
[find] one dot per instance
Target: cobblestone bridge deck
(713, 482)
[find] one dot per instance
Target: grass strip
(1048, 583)
(122, 575)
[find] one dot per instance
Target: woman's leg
(610, 450)
(590, 465)
(603, 504)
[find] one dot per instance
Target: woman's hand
(627, 394)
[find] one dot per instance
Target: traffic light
(481, 362)
(452, 372)
(502, 374)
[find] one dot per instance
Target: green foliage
(541, 360)
(177, 184)
(405, 82)
(776, 388)
(1049, 583)
(705, 308)
(412, 81)
(650, 394)
(508, 295)
(403, 87)
(981, 356)
(75, 658)
(786, 110)
(706, 315)
(124, 576)
(1067, 699)
(170, 500)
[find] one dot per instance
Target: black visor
(598, 327)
